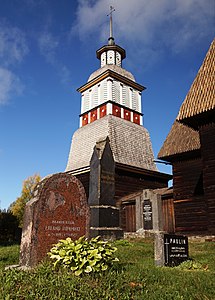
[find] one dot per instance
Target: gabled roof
(180, 139)
(201, 96)
(200, 101)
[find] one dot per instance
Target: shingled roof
(201, 96)
(180, 139)
(199, 100)
(130, 143)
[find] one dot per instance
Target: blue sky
(47, 51)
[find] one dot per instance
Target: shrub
(192, 265)
(83, 255)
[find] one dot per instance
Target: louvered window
(135, 105)
(86, 101)
(110, 57)
(103, 59)
(95, 96)
(118, 59)
(116, 91)
(125, 96)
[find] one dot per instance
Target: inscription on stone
(147, 214)
(58, 210)
(175, 249)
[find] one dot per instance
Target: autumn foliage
(17, 207)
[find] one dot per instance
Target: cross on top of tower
(111, 38)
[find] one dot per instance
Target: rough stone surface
(130, 143)
(159, 249)
(58, 210)
(104, 214)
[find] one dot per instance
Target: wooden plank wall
(128, 217)
(168, 215)
(189, 204)
(207, 138)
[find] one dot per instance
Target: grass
(134, 277)
(9, 255)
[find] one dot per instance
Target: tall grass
(134, 277)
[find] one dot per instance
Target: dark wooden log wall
(127, 183)
(207, 138)
(189, 204)
(168, 215)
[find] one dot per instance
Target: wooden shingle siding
(180, 139)
(201, 96)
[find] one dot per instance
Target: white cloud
(9, 84)
(49, 45)
(13, 45)
(149, 25)
(13, 49)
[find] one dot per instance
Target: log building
(190, 148)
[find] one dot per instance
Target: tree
(17, 208)
(9, 231)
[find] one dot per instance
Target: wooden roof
(201, 96)
(199, 101)
(180, 139)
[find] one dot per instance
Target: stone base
(104, 216)
(159, 248)
(107, 233)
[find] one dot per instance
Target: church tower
(111, 90)
(111, 107)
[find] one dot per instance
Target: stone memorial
(152, 211)
(57, 210)
(175, 249)
(153, 222)
(147, 214)
(104, 215)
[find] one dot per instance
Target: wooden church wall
(207, 138)
(189, 203)
(168, 215)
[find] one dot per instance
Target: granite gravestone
(147, 214)
(104, 215)
(175, 249)
(57, 210)
(152, 211)
(153, 222)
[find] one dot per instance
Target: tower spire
(111, 38)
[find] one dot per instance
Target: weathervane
(111, 39)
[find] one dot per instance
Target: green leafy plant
(192, 265)
(83, 255)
